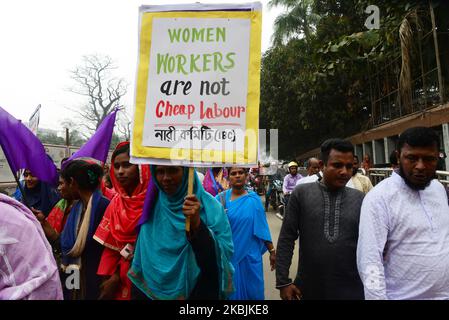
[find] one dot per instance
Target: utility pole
(67, 142)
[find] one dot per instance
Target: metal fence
(378, 174)
(428, 76)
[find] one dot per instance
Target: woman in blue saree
(250, 234)
(169, 264)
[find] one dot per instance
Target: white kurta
(309, 179)
(403, 246)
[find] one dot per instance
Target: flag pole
(189, 192)
(25, 201)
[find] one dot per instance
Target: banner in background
(33, 123)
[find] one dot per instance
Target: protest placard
(198, 84)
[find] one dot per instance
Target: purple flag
(98, 145)
(148, 204)
(24, 150)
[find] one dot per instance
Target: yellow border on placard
(252, 113)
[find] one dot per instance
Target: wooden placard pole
(189, 192)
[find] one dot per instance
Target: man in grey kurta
(325, 216)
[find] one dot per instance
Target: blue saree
(249, 232)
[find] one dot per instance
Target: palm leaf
(299, 20)
(405, 78)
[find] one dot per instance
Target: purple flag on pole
(98, 145)
(24, 150)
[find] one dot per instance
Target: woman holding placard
(172, 264)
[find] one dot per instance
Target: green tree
(298, 21)
(50, 138)
(76, 138)
(316, 86)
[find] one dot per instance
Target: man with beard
(403, 248)
(325, 216)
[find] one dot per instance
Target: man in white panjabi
(314, 171)
(403, 246)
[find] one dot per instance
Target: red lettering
(202, 113)
(217, 112)
(160, 104)
(191, 110)
(241, 109)
(168, 108)
(165, 108)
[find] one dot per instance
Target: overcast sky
(42, 40)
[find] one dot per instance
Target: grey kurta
(327, 224)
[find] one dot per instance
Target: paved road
(271, 293)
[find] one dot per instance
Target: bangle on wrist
(272, 250)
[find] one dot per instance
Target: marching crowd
(120, 232)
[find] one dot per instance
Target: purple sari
(28, 269)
